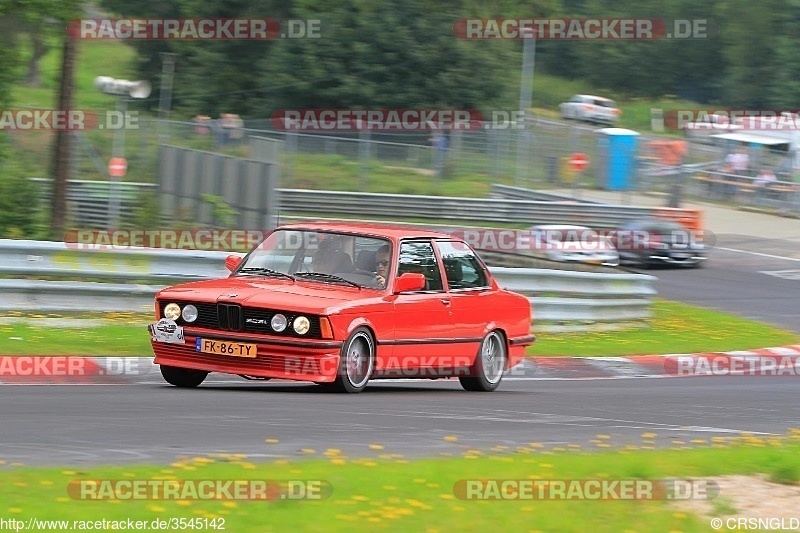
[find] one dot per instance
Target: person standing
(439, 143)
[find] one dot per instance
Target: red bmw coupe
(340, 304)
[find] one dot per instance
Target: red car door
(423, 320)
(471, 296)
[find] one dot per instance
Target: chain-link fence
(461, 163)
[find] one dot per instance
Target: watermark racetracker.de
(66, 120)
(481, 239)
(199, 489)
(202, 29)
(585, 489)
(727, 119)
(581, 29)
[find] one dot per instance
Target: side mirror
(409, 282)
(232, 262)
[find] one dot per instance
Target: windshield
(320, 257)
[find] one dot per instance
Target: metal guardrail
(90, 200)
(68, 261)
(521, 193)
(574, 298)
(466, 210)
(558, 297)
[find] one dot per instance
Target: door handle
(445, 301)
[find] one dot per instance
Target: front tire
(183, 378)
(356, 362)
(487, 372)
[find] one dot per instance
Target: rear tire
(183, 378)
(487, 372)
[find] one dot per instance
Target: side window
(462, 268)
(419, 257)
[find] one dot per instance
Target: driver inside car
(382, 258)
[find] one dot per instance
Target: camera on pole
(117, 165)
(135, 89)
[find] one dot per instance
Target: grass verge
(390, 493)
(674, 328)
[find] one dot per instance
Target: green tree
(390, 53)
(41, 22)
(649, 68)
(748, 31)
(784, 84)
(211, 77)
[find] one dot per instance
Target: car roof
(593, 96)
(560, 227)
(374, 229)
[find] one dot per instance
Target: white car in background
(573, 244)
(590, 108)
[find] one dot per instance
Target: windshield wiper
(326, 277)
(267, 272)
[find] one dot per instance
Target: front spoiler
(301, 360)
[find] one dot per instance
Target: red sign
(578, 161)
(117, 167)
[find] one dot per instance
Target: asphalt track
(754, 278)
(155, 423)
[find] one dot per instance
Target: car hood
(301, 296)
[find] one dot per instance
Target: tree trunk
(33, 77)
(62, 148)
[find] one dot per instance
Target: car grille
(230, 317)
(234, 317)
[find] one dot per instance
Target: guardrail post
(364, 148)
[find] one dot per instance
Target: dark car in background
(654, 241)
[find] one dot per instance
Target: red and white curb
(77, 370)
(778, 361)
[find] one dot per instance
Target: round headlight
(301, 325)
(172, 311)
(189, 313)
(278, 322)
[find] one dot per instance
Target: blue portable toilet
(617, 158)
